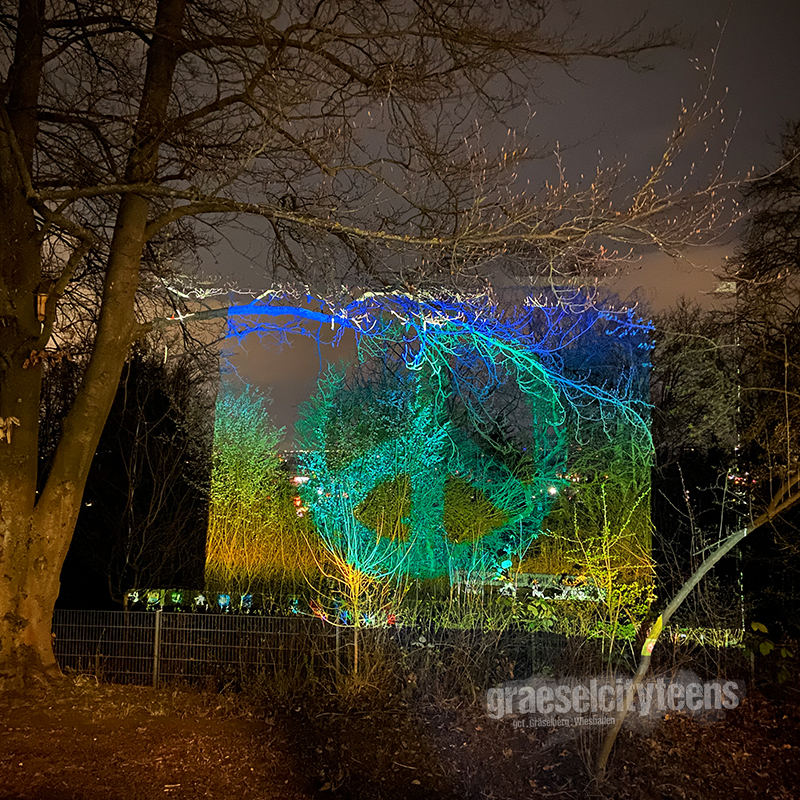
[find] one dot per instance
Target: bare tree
(346, 130)
(762, 329)
(143, 520)
(694, 391)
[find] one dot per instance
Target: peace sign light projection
(444, 446)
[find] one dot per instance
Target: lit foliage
(445, 447)
(395, 477)
(254, 532)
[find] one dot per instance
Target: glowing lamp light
(42, 294)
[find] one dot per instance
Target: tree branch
(781, 501)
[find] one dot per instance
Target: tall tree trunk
(35, 533)
(20, 329)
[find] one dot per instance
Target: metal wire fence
(154, 647)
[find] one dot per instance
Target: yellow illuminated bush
(255, 535)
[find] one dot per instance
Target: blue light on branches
(578, 367)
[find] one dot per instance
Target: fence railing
(151, 647)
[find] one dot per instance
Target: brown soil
(81, 740)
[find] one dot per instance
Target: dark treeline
(144, 515)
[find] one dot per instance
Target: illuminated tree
(254, 533)
(430, 483)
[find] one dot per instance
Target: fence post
(156, 647)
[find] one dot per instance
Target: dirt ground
(80, 740)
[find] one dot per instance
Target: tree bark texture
(36, 527)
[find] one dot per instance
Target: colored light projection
(253, 531)
(466, 428)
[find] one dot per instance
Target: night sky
(604, 110)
